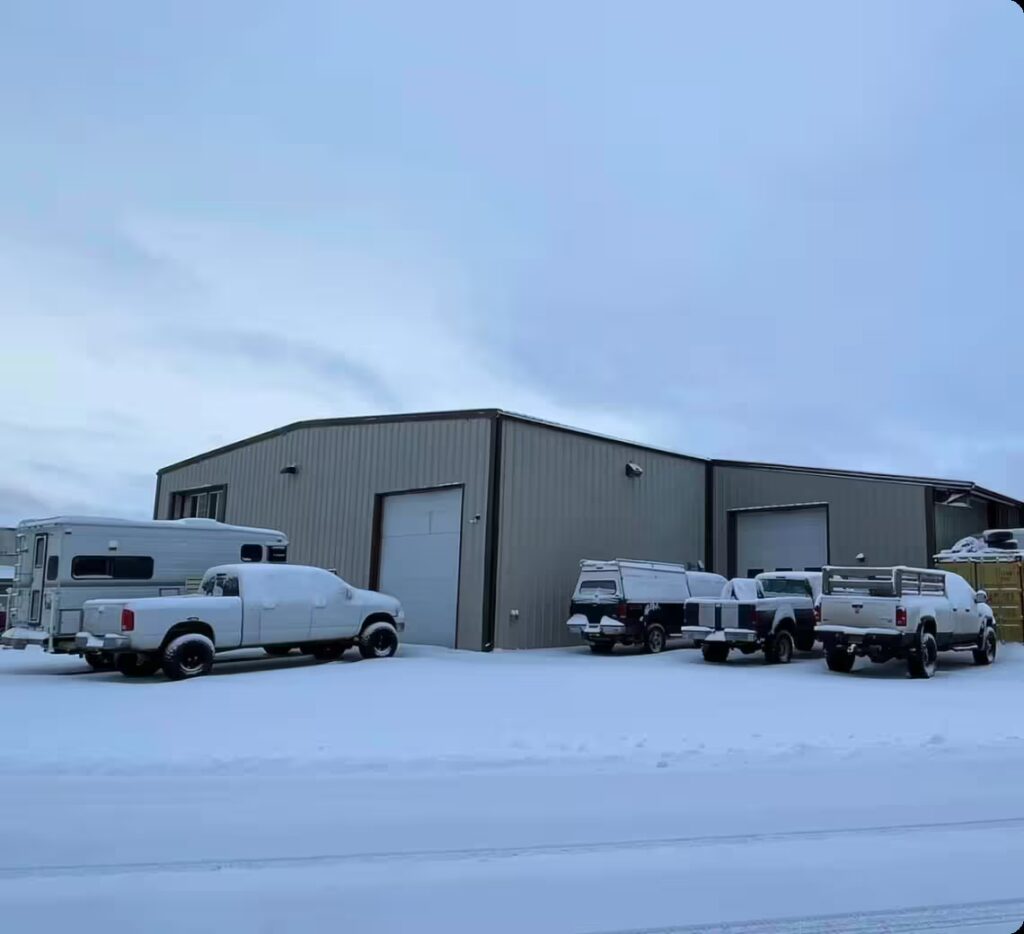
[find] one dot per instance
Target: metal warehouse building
(478, 519)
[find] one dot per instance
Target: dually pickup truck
(905, 613)
(277, 607)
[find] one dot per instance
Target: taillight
(901, 616)
(3, 619)
(127, 620)
(817, 613)
(622, 610)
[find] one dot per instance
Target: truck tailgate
(859, 612)
(102, 616)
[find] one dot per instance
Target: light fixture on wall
(634, 470)
(291, 468)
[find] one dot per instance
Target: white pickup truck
(279, 607)
(773, 612)
(901, 612)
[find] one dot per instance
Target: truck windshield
(598, 586)
(775, 586)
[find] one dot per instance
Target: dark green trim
(709, 517)
(156, 498)
(929, 526)
(490, 601)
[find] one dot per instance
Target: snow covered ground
(533, 791)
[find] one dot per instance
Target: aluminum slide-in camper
(64, 561)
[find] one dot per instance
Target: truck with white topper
(634, 602)
(903, 613)
(276, 607)
(772, 612)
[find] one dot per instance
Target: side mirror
(981, 596)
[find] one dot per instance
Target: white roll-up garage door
(419, 561)
(781, 539)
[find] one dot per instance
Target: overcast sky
(786, 231)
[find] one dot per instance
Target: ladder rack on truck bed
(882, 582)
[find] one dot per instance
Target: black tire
(278, 651)
(328, 652)
(379, 640)
(135, 665)
(188, 656)
(924, 660)
(715, 652)
(840, 660)
(602, 648)
(100, 661)
(654, 638)
(805, 643)
(778, 650)
(987, 653)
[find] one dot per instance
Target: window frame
(244, 559)
(185, 504)
(111, 561)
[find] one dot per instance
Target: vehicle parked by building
(280, 608)
(905, 613)
(66, 561)
(634, 602)
(773, 613)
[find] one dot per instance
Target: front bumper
(889, 639)
(108, 642)
(730, 636)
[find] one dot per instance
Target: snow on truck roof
(7, 573)
(178, 524)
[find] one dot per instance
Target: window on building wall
(207, 503)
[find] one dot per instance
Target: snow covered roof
(106, 521)
(6, 573)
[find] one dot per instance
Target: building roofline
(456, 414)
(451, 415)
(966, 486)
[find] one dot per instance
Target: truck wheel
(922, 662)
(840, 660)
(602, 648)
(654, 638)
(329, 652)
(187, 656)
(136, 665)
(987, 653)
(716, 652)
(278, 651)
(379, 640)
(778, 650)
(100, 661)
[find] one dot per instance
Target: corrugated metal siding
(566, 497)
(955, 522)
(7, 544)
(884, 521)
(327, 508)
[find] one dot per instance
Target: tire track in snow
(898, 921)
(494, 853)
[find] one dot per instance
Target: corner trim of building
(156, 497)
(709, 516)
(929, 526)
(489, 610)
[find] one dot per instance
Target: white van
(635, 602)
(64, 561)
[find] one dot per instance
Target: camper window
(52, 566)
(277, 554)
(112, 567)
(40, 550)
(252, 552)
